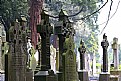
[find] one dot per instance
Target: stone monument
(17, 55)
(115, 53)
(83, 74)
(105, 76)
(69, 61)
(115, 74)
(45, 30)
(63, 29)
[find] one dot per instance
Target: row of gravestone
(16, 68)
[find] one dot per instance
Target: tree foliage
(87, 29)
(11, 9)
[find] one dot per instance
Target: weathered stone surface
(69, 61)
(105, 45)
(115, 53)
(105, 76)
(114, 78)
(115, 75)
(18, 52)
(45, 30)
(83, 74)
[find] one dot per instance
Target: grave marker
(83, 74)
(69, 61)
(104, 76)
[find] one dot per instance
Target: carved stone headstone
(69, 61)
(17, 56)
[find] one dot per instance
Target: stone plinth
(45, 76)
(41, 76)
(115, 75)
(115, 72)
(37, 69)
(114, 78)
(83, 75)
(104, 76)
(29, 75)
(60, 76)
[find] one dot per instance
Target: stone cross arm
(105, 42)
(82, 48)
(46, 29)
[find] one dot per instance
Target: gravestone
(115, 53)
(69, 61)
(45, 30)
(83, 74)
(115, 74)
(17, 55)
(60, 30)
(23, 24)
(63, 28)
(104, 76)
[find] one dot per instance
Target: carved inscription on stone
(69, 62)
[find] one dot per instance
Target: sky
(113, 28)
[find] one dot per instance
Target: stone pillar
(83, 74)
(104, 76)
(115, 53)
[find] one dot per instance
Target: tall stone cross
(82, 51)
(115, 53)
(45, 30)
(63, 29)
(105, 45)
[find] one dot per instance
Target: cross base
(104, 76)
(83, 75)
